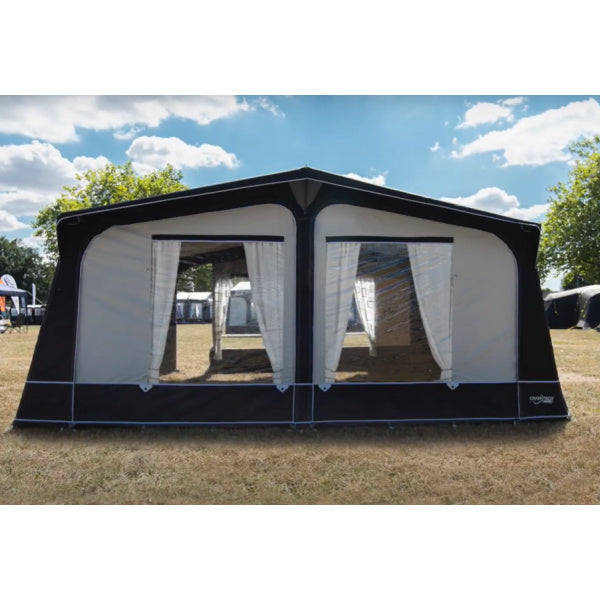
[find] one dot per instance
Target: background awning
(10, 291)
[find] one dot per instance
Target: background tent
(194, 307)
(6, 290)
(241, 313)
(12, 292)
(561, 309)
(579, 307)
(588, 307)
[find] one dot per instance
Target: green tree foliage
(570, 241)
(196, 279)
(100, 187)
(26, 266)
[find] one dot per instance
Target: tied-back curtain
(431, 266)
(364, 294)
(342, 263)
(165, 260)
(222, 292)
(266, 273)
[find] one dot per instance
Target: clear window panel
(388, 312)
(231, 330)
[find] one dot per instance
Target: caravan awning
(10, 291)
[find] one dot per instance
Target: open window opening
(401, 293)
(230, 332)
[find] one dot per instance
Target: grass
(245, 360)
(537, 463)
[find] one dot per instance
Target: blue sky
(497, 153)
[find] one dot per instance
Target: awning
(10, 291)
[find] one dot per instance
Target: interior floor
(245, 360)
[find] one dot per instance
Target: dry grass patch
(537, 463)
(244, 358)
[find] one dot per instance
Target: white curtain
(431, 266)
(266, 273)
(222, 291)
(165, 260)
(342, 263)
(364, 294)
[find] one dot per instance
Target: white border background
(320, 47)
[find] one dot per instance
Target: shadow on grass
(367, 435)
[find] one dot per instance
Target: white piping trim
(417, 420)
(76, 332)
(291, 422)
(313, 385)
(62, 421)
(458, 208)
(546, 417)
(438, 382)
(381, 241)
(114, 207)
(444, 420)
(49, 382)
(517, 333)
(428, 203)
(240, 239)
(198, 385)
(84, 422)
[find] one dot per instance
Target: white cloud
(32, 175)
(485, 112)
(86, 163)
(513, 101)
(542, 138)
(149, 153)
(37, 166)
(435, 147)
(496, 200)
(9, 222)
(270, 106)
(33, 242)
(376, 179)
(529, 213)
(126, 135)
(57, 118)
(23, 203)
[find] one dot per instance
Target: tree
(100, 187)
(26, 266)
(570, 242)
(195, 279)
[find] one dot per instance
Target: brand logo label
(541, 399)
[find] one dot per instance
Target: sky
(495, 153)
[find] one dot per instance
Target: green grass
(536, 463)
